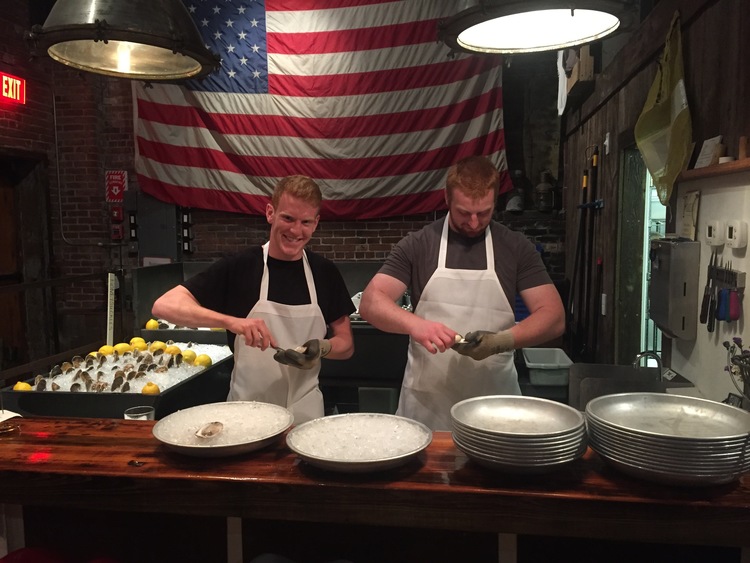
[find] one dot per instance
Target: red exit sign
(12, 88)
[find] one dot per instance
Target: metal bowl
(359, 442)
(672, 417)
(517, 416)
(248, 426)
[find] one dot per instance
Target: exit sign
(12, 89)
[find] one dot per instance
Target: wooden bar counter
(117, 465)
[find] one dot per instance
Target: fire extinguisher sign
(116, 182)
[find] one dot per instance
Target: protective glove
(306, 356)
(482, 344)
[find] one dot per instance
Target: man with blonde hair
(286, 307)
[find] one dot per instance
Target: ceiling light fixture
(527, 26)
(152, 40)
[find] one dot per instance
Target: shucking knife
(711, 321)
(707, 291)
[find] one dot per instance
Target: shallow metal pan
(671, 416)
(248, 426)
(515, 415)
(359, 442)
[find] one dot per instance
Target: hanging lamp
(152, 40)
(527, 26)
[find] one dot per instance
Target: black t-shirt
(232, 285)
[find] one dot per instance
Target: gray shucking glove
(306, 356)
(482, 344)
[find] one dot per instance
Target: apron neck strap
(488, 247)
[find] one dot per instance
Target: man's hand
(306, 356)
(482, 344)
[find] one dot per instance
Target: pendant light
(151, 40)
(526, 26)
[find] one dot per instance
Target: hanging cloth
(663, 131)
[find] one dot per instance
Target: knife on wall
(707, 291)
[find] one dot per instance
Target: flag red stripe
(305, 5)
(321, 127)
(323, 168)
(391, 80)
(349, 40)
(370, 208)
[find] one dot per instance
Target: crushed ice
(358, 437)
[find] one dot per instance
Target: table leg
(507, 548)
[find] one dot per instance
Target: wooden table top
(113, 464)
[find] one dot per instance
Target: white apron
(465, 300)
(258, 377)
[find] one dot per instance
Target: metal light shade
(141, 39)
(526, 26)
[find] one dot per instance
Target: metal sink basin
(588, 381)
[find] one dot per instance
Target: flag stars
(242, 35)
(243, 61)
(217, 35)
(230, 49)
(216, 9)
(255, 48)
(204, 22)
(229, 23)
(241, 9)
(256, 74)
(192, 9)
(254, 22)
(231, 74)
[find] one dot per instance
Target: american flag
(357, 94)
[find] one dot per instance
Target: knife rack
(726, 278)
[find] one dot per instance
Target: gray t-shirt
(518, 264)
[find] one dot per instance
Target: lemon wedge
(188, 356)
(150, 389)
(202, 360)
(123, 347)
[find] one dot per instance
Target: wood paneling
(715, 36)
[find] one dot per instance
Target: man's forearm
(541, 326)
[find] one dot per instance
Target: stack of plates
(518, 434)
(670, 439)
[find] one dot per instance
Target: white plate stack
(671, 439)
(518, 434)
